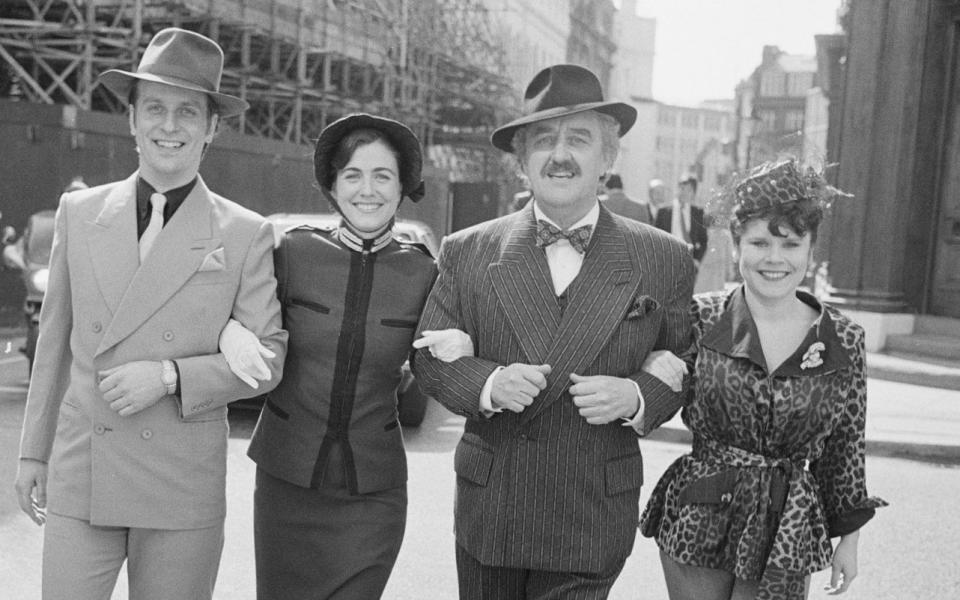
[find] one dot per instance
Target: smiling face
(367, 188)
(772, 266)
(564, 160)
(171, 126)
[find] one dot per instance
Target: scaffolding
(436, 65)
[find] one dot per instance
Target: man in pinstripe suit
(562, 315)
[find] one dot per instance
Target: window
(769, 120)
(711, 122)
(793, 120)
(772, 84)
(667, 117)
(799, 83)
(690, 120)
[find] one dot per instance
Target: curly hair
(801, 216)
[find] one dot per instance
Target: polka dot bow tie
(548, 234)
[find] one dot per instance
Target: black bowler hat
(559, 91)
(409, 160)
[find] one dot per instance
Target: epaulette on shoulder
(417, 245)
(310, 228)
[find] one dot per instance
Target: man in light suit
(562, 314)
(123, 452)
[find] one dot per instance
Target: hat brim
(402, 138)
(120, 82)
(625, 115)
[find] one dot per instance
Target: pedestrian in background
(684, 219)
(124, 445)
(563, 301)
(620, 203)
(777, 415)
(331, 497)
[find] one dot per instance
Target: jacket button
(146, 434)
(97, 327)
(167, 335)
(99, 429)
(523, 437)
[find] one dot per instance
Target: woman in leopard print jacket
(777, 415)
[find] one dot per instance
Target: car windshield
(39, 239)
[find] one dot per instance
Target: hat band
(181, 76)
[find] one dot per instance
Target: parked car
(31, 256)
(411, 401)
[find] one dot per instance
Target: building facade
(895, 248)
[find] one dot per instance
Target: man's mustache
(555, 167)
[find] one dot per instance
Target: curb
(938, 453)
(914, 372)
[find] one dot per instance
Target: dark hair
(614, 182)
(800, 216)
(212, 108)
(691, 181)
(348, 144)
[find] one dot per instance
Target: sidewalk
(903, 420)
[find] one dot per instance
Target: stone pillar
(878, 155)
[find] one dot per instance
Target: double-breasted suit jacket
(543, 489)
(165, 466)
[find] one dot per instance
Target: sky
(705, 47)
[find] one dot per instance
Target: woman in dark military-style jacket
(330, 502)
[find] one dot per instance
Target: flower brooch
(811, 358)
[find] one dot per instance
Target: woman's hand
(244, 353)
(447, 344)
(844, 564)
(665, 366)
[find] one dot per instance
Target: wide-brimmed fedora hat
(183, 59)
(559, 91)
(409, 161)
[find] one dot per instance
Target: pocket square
(213, 261)
(641, 307)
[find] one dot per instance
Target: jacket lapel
(597, 301)
(521, 280)
(176, 255)
(112, 242)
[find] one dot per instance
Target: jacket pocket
(472, 461)
(314, 306)
(409, 324)
(624, 473)
(641, 307)
(276, 410)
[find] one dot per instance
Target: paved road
(909, 551)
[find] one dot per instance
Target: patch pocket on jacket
(407, 323)
(276, 410)
(624, 473)
(315, 307)
(472, 461)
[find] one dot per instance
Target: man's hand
(133, 387)
(602, 399)
(31, 486)
(515, 386)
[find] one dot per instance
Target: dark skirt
(324, 543)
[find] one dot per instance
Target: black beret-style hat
(410, 159)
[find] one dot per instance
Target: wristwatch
(169, 376)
